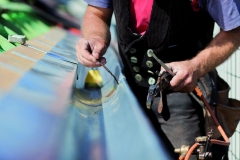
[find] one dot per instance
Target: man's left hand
(186, 76)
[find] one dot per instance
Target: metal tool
(109, 72)
(103, 65)
(160, 62)
(162, 83)
(150, 51)
(152, 92)
(164, 80)
(159, 85)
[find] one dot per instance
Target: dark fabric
(219, 152)
(180, 122)
(172, 22)
(185, 119)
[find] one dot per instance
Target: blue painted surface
(107, 123)
(50, 115)
(32, 113)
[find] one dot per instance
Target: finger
(177, 80)
(98, 49)
(88, 63)
(84, 44)
(179, 87)
(84, 51)
(184, 86)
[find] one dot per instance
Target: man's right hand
(96, 36)
(90, 52)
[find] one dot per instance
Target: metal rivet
(135, 34)
(136, 68)
(150, 72)
(151, 81)
(133, 50)
(134, 59)
(138, 77)
(149, 52)
(149, 64)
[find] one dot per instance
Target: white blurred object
(77, 8)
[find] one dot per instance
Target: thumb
(169, 65)
(98, 50)
(96, 55)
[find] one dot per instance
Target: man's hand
(90, 52)
(96, 36)
(188, 72)
(186, 76)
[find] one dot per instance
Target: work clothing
(175, 33)
(226, 13)
(183, 33)
(179, 123)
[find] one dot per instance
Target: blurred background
(51, 107)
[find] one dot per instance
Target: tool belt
(227, 110)
(214, 89)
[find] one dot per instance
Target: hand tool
(160, 62)
(203, 103)
(150, 51)
(109, 72)
(162, 83)
(152, 92)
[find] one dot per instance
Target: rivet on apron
(149, 64)
(134, 59)
(136, 69)
(151, 81)
(150, 72)
(149, 53)
(133, 50)
(138, 77)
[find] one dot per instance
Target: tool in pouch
(203, 143)
(164, 79)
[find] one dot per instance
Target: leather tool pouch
(226, 110)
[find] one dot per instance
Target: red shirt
(140, 12)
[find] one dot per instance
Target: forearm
(96, 24)
(220, 48)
